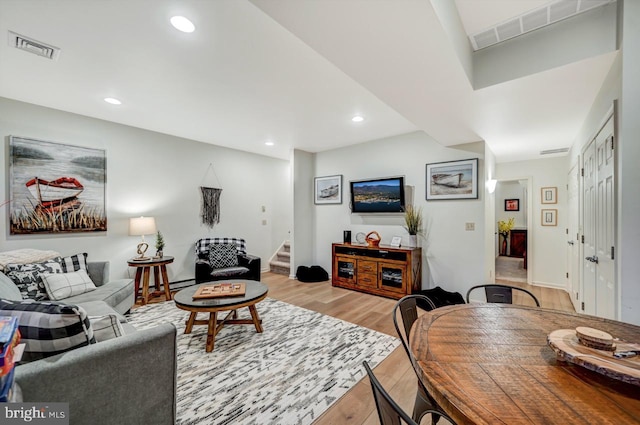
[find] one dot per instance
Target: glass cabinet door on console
(346, 270)
(392, 277)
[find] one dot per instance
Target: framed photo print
(549, 195)
(452, 180)
(328, 190)
(512, 204)
(395, 241)
(549, 217)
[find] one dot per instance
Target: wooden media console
(383, 270)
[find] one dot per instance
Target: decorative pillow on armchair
(223, 255)
(28, 278)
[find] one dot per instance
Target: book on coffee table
(223, 289)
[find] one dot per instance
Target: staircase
(281, 262)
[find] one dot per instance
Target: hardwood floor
(395, 373)
(373, 312)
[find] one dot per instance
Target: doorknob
(593, 259)
(570, 242)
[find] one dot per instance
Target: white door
(605, 225)
(598, 259)
(589, 230)
(573, 236)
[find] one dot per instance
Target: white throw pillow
(106, 327)
(64, 285)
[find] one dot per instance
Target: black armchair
(225, 258)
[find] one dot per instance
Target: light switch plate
(470, 226)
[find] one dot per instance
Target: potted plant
(504, 227)
(159, 245)
(413, 223)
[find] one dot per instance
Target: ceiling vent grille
(551, 151)
(532, 20)
(33, 46)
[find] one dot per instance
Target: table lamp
(140, 226)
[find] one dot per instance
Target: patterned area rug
(290, 374)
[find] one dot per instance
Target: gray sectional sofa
(125, 380)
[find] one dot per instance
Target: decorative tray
(219, 290)
(618, 360)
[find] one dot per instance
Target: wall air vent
(550, 151)
(553, 12)
(33, 46)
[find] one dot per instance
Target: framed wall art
(512, 204)
(549, 217)
(56, 188)
(452, 180)
(328, 190)
(549, 195)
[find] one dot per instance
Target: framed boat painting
(55, 188)
(328, 190)
(452, 180)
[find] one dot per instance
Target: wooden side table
(143, 270)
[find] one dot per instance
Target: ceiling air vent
(553, 12)
(33, 46)
(550, 151)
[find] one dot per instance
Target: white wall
(490, 245)
(546, 257)
(455, 257)
(158, 175)
(628, 170)
(302, 248)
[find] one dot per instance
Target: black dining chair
(498, 293)
(408, 312)
(388, 410)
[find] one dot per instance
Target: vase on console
(503, 247)
(504, 228)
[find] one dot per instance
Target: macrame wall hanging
(210, 205)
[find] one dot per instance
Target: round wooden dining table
(491, 364)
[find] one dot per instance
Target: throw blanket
(25, 256)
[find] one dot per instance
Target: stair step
(280, 267)
(286, 247)
(284, 256)
(276, 263)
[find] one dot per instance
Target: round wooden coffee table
(254, 293)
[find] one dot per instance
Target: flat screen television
(385, 195)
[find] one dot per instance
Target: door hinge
(612, 145)
(567, 231)
(612, 253)
(582, 306)
(567, 275)
(577, 296)
(582, 239)
(582, 172)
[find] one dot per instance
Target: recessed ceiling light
(269, 143)
(112, 101)
(357, 118)
(182, 24)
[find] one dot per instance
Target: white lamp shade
(140, 226)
